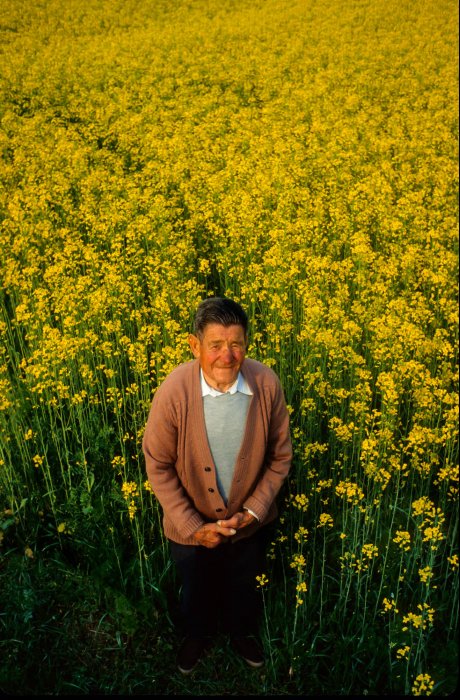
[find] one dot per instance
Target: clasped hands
(212, 534)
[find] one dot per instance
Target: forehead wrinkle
(219, 334)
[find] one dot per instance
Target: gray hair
(220, 310)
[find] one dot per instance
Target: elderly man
(217, 449)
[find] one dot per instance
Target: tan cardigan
(179, 463)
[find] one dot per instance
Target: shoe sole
(254, 664)
(186, 671)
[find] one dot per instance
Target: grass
(72, 626)
(73, 633)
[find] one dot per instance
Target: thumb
(234, 521)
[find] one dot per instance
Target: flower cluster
(423, 684)
(130, 492)
(420, 620)
(262, 580)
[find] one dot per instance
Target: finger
(234, 521)
(226, 531)
(231, 522)
(247, 521)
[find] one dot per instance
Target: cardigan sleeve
(278, 458)
(160, 451)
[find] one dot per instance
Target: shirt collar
(240, 384)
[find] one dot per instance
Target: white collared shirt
(240, 384)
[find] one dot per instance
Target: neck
(214, 385)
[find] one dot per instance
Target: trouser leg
(243, 601)
(199, 599)
(219, 585)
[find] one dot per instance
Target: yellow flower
(370, 551)
(402, 538)
(350, 491)
(118, 462)
(425, 574)
(204, 266)
(423, 685)
(301, 588)
(129, 488)
(422, 505)
(130, 492)
(323, 484)
(432, 534)
(300, 501)
(262, 580)
(298, 562)
(343, 431)
(325, 520)
(389, 605)
(301, 534)
(421, 621)
(403, 652)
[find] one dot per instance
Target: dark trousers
(219, 587)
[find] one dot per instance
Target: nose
(226, 354)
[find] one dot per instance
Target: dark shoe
(249, 649)
(190, 653)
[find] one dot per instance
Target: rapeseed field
(300, 157)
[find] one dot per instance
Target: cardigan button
(207, 469)
(211, 490)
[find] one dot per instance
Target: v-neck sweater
(179, 463)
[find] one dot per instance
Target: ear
(194, 345)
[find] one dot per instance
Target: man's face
(221, 352)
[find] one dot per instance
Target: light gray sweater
(225, 418)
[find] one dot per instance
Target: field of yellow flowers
(300, 157)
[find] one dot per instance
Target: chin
(226, 376)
